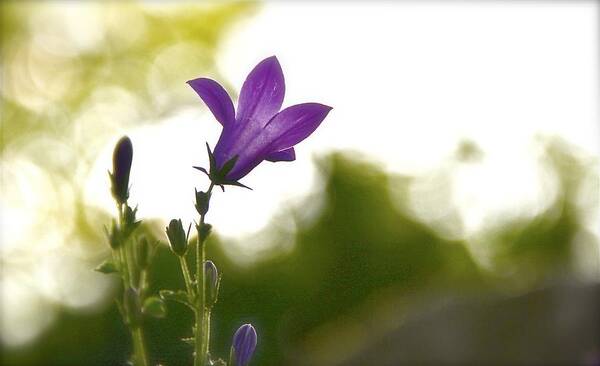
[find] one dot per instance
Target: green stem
(206, 337)
(139, 351)
(187, 278)
(202, 327)
(143, 283)
(200, 305)
(127, 260)
(130, 265)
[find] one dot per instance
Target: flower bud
(177, 237)
(122, 157)
(129, 224)
(244, 343)
(142, 253)
(202, 200)
(212, 281)
(130, 216)
(114, 237)
(204, 231)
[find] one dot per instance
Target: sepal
(129, 222)
(218, 176)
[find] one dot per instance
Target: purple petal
(294, 124)
(216, 99)
(262, 93)
(244, 344)
(283, 155)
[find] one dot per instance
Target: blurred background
(446, 211)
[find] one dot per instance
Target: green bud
(143, 253)
(122, 158)
(129, 216)
(203, 231)
(114, 236)
(129, 224)
(202, 201)
(177, 237)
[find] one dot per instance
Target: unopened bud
(204, 231)
(177, 237)
(202, 202)
(212, 281)
(114, 236)
(122, 158)
(243, 345)
(142, 253)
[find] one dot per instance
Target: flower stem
(187, 278)
(202, 330)
(139, 351)
(127, 266)
(206, 337)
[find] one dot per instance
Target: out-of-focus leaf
(107, 267)
(155, 306)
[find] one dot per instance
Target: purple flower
(259, 131)
(244, 343)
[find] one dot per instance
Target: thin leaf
(154, 307)
(107, 267)
(179, 296)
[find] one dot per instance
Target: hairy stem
(128, 269)
(139, 351)
(206, 342)
(201, 327)
(187, 278)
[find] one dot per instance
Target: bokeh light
(460, 161)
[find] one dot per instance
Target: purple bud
(212, 281)
(122, 158)
(244, 343)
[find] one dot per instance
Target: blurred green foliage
(360, 262)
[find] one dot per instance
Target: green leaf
(191, 341)
(179, 296)
(107, 267)
(154, 306)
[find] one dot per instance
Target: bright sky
(407, 81)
